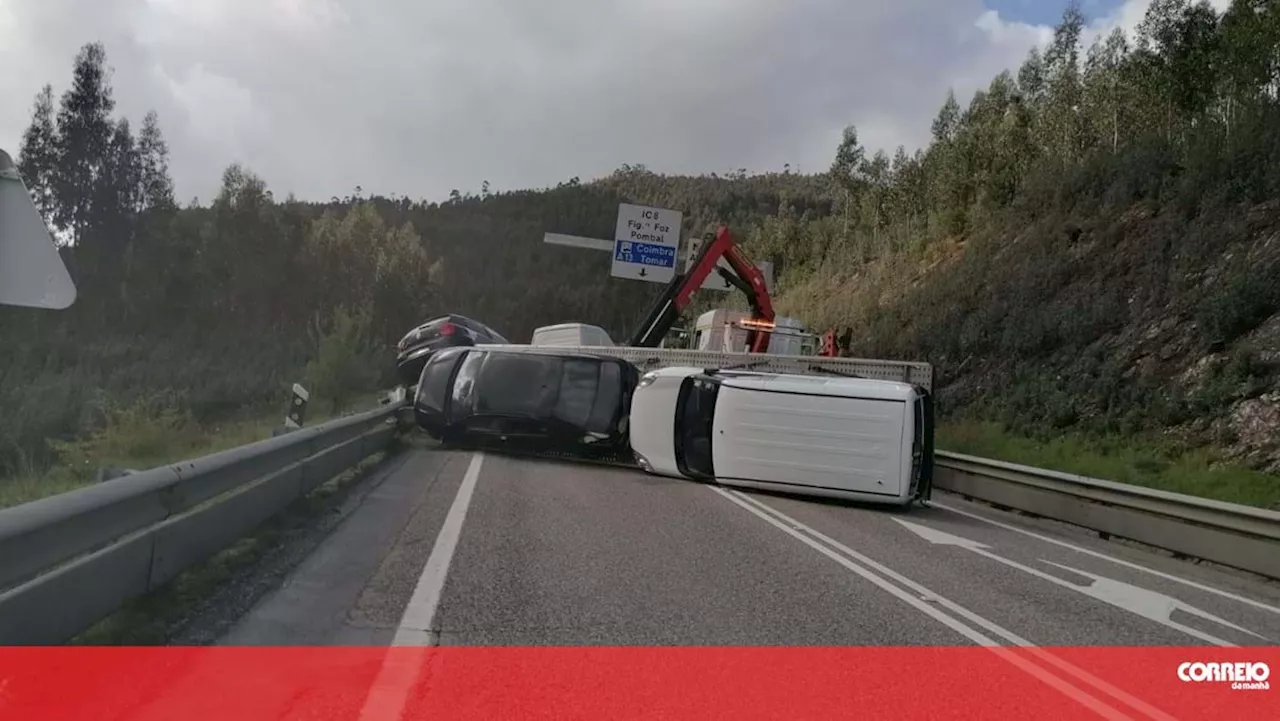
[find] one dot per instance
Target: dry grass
(835, 299)
(141, 437)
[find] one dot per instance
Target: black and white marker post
(297, 411)
(297, 408)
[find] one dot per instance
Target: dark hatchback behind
(450, 331)
(529, 401)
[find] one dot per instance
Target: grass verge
(1151, 463)
(142, 438)
(211, 587)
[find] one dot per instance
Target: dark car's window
(694, 421)
(581, 391)
(517, 384)
(579, 382)
(609, 396)
(433, 384)
(467, 323)
(464, 385)
(485, 333)
(482, 331)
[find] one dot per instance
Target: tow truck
(741, 274)
(645, 351)
(759, 325)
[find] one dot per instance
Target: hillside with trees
(1088, 245)
(1093, 243)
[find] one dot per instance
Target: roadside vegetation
(1152, 462)
(146, 436)
(1086, 249)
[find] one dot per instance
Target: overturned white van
(852, 438)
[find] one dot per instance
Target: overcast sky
(418, 97)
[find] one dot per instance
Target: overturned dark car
(450, 331)
(528, 401)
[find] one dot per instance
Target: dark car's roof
(548, 353)
(455, 318)
(540, 353)
(452, 318)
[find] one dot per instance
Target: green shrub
(346, 364)
(1240, 304)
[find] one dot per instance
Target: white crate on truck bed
(647, 359)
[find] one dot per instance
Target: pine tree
(84, 135)
(155, 185)
(38, 155)
(948, 121)
(845, 170)
(1063, 126)
(116, 207)
(1105, 89)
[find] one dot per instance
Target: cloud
(319, 96)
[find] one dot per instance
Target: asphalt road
(453, 548)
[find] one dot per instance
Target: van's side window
(923, 439)
(694, 423)
(917, 439)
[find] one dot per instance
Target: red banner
(375, 684)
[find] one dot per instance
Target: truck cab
(719, 330)
(727, 331)
(852, 438)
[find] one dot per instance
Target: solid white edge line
(400, 667)
(1066, 688)
(1107, 688)
(1113, 559)
(421, 611)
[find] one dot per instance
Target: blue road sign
(630, 251)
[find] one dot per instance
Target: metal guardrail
(1239, 536)
(69, 560)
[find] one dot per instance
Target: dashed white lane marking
(1113, 559)
(878, 574)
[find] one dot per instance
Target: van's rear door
(816, 441)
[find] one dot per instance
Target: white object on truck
(571, 335)
(788, 337)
